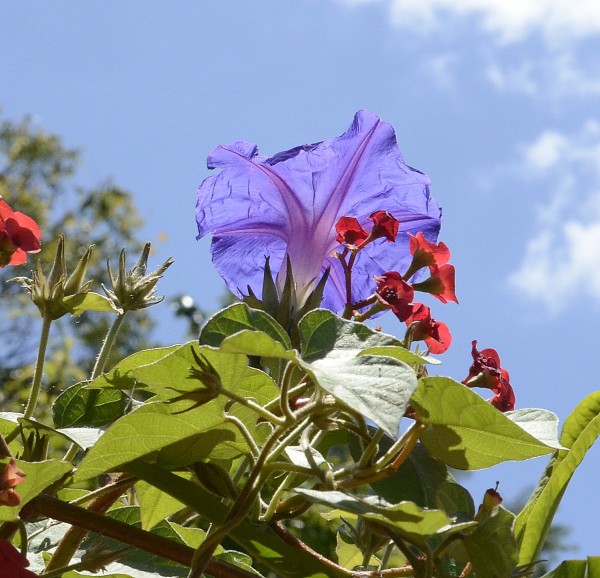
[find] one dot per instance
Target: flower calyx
(134, 289)
(59, 293)
(282, 303)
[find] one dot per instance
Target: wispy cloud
(563, 39)
(561, 262)
(558, 20)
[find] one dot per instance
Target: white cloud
(557, 20)
(556, 75)
(562, 54)
(562, 260)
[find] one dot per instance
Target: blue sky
(498, 102)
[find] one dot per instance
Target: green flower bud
(50, 294)
(131, 290)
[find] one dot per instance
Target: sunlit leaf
(79, 406)
(237, 317)
(580, 431)
(465, 431)
(82, 302)
(146, 430)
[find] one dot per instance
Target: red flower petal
(427, 253)
(349, 231)
(384, 225)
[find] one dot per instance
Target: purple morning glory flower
(289, 204)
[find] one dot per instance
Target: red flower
(350, 232)
(396, 293)
(384, 225)
(487, 372)
(19, 235)
(426, 253)
(440, 284)
(436, 334)
(13, 564)
(11, 476)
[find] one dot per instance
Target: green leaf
(580, 431)
(202, 446)
(414, 524)
(82, 302)
(416, 480)
(455, 501)
(569, 569)
(75, 574)
(377, 387)
(84, 437)
(170, 376)
(491, 546)
(155, 505)
(258, 540)
(38, 476)
(259, 343)
(79, 406)
(146, 430)
(401, 354)
(349, 556)
(465, 431)
(322, 332)
(238, 317)
(120, 376)
(540, 423)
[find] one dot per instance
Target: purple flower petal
(290, 203)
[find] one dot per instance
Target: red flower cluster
(487, 372)
(350, 232)
(19, 235)
(13, 564)
(393, 289)
(11, 476)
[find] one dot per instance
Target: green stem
(371, 450)
(107, 345)
(249, 403)
(71, 453)
(251, 489)
(37, 376)
(284, 396)
(406, 442)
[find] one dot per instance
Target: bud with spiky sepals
(132, 290)
(59, 293)
(282, 304)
